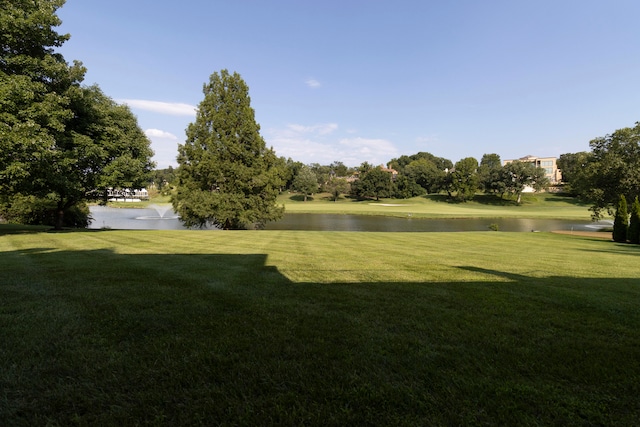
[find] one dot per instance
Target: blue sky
(356, 80)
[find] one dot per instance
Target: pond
(164, 218)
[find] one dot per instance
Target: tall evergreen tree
(633, 233)
(621, 221)
(226, 175)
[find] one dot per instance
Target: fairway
(542, 205)
(317, 328)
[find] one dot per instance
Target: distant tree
(291, 169)
(621, 221)
(61, 144)
(306, 182)
(226, 175)
(516, 176)
(375, 183)
(426, 174)
(572, 165)
(365, 167)
(322, 173)
(405, 187)
(633, 233)
(162, 178)
(489, 174)
(336, 187)
(463, 180)
(400, 163)
(339, 169)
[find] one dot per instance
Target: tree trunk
(59, 219)
(519, 197)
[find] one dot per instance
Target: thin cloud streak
(168, 108)
(157, 133)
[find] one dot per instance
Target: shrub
(31, 210)
(633, 233)
(621, 221)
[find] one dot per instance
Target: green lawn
(317, 328)
(545, 205)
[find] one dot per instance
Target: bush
(31, 210)
(633, 233)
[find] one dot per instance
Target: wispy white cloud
(313, 83)
(320, 129)
(169, 108)
(316, 144)
(376, 151)
(157, 133)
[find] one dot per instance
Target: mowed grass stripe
(331, 328)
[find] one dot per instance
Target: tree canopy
(612, 169)
(516, 176)
(59, 140)
(226, 175)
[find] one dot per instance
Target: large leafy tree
(374, 183)
(306, 182)
(612, 169)
(59, 141)
(489, 173)
(426, 173)
(516, 176)
(572, 166)
(226, 175)
(463, 179)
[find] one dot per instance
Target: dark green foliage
(405, 188)
(426, 173)
(621, 221)
(162, 179)
(226, 176)
(336, 187)
(291, 169)
(422, 169)
(375, 183)
(305, 182)
(613, 168)
(32, 210)
(462, 181)
(573, 167)
(58, 140)
(400, 163)
(489, 174)
(633, 233)
(515, 176)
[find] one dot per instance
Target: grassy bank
(544, 205)
(317, 328)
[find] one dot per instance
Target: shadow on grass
(300, 198)
(98, 337)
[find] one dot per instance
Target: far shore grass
(543, 205)
(317, 328)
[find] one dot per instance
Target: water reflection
(151, 219)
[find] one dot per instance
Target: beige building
(547, 163)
